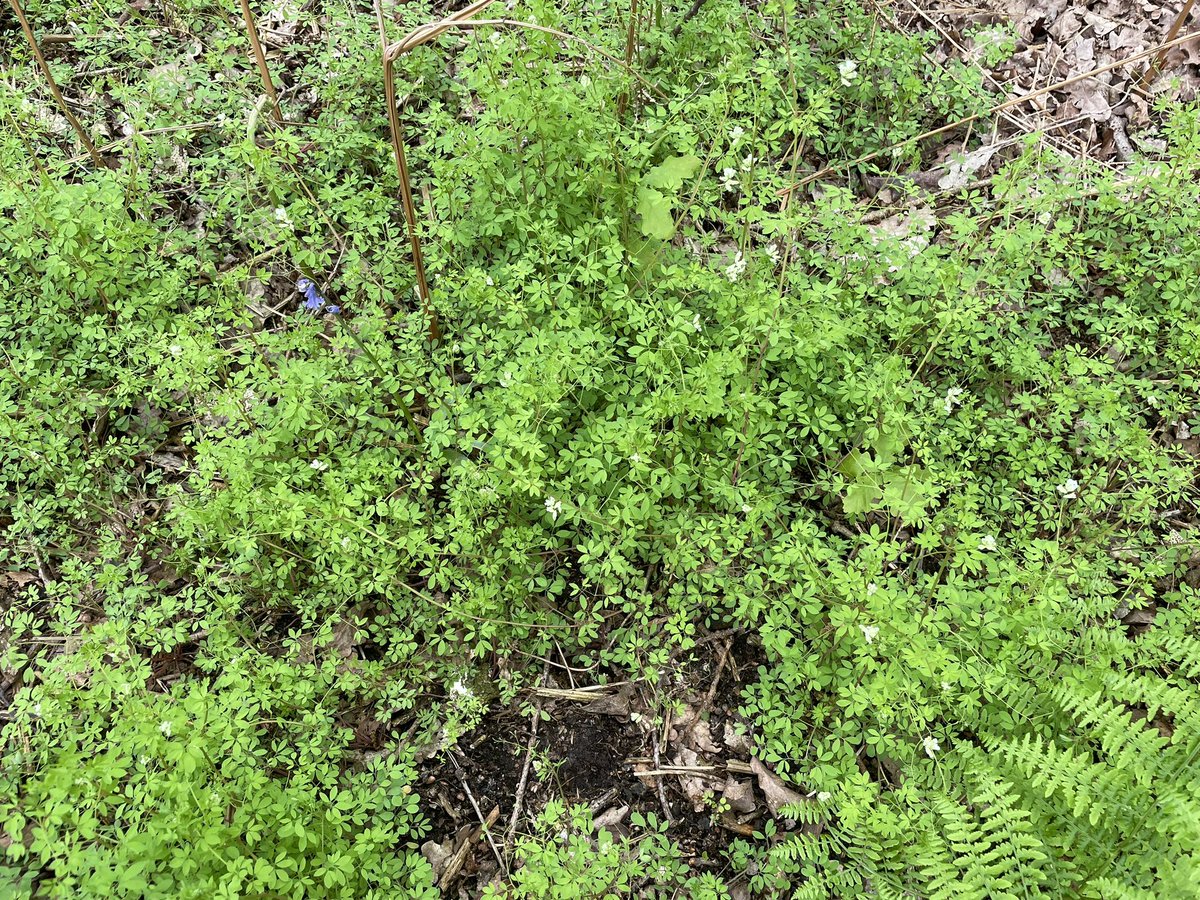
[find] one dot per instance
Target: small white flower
(772, 251)
(737, 268)
(506, 379)
(729, 180)
(37, 710)
(282, 217)
(945, 685)
(165, 728)
(987, 543)
(848, 72)
(488, 281)
(175, 350)
(951, 399)
(747, 508)
(736, 133)
(458, 689)
(872, 587)
(931, 745)
(346, 542)
(748, 162)
(318, 465)
(696, 322)
(870, 632)
(824, 796)
(635, 458)
(553, 508)
(1069, 489)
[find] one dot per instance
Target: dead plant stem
(58, 97)
(1152, 72)
(261, 60)
(393, 52)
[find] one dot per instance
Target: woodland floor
(592, 752)
(596, 745)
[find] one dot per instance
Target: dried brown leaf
(739, 794)
(777, 793)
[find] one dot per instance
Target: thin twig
(712, 690)
(47, 579)
(662, 791)
(58, 97)
(998, 108)
(519, 802)
(563, 36)
(696, 771)
(487, 831)
(261, 60)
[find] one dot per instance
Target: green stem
(412, 423)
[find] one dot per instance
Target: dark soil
(586, 757)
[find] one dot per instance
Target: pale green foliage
(929, 473)
(568, 858)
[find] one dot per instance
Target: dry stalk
(58, 97)
(1152, 72)
(485, 824)
(523, 783)
(579, 695)
(261, 60)
(631, 35)
(392, 52)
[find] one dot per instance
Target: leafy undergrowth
(269, 553)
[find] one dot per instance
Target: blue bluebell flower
(314, 300)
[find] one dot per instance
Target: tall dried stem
(1152, 72)
(415, 38)
(631, 36)
(261, 60)
(391, 53)
(58, 97)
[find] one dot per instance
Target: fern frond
(1127, 746)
